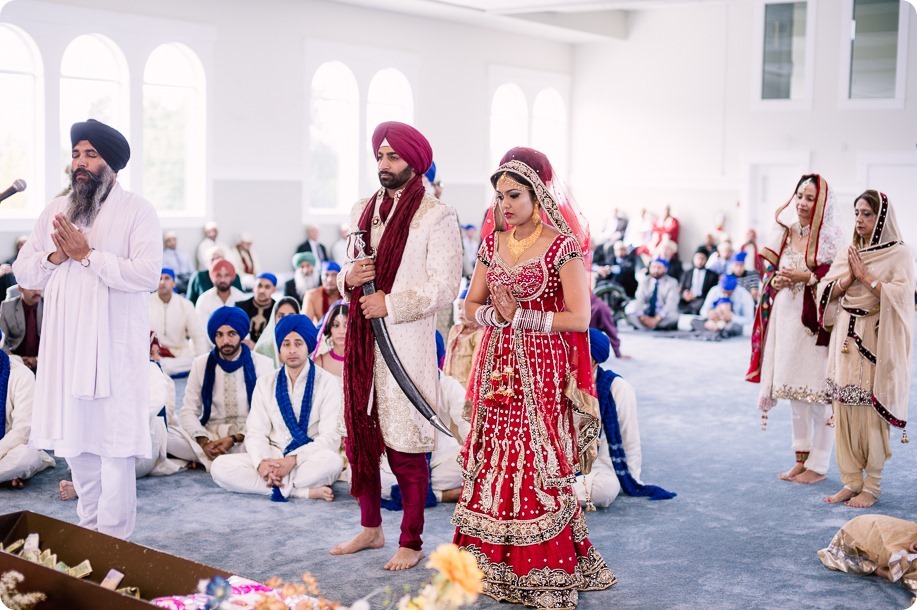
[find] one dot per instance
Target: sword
(356, 250)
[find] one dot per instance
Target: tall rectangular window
(874, 49)
(783, 69)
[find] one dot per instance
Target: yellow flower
(459, 567)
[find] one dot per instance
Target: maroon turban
(407, 142)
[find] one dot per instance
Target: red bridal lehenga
(518, 513)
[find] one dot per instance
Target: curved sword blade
(398, 371)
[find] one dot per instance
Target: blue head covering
(299, 324)
(729, 282)
(299, 257)
(169, 272)
(4, 387)
(739, 257)
(662, 262)
(330, 267)
(440, 350)
(599, 345)
(431, 173)
(269, 277)
(228, 316)
(463, 294)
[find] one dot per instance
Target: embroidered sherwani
(427, 280)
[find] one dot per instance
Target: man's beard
(86, 198)
(395, 181)
(229, 350)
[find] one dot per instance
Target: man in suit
(20, 322)
(313, 245)
(618, 265)
(695, 284)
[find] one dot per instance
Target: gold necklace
(518, 246)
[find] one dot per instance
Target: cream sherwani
(318, 463)
(445, 470)
(92, 388)
(17, 459)
(179, 329)
(210, 301)
(227, 412)
(427, 281)
(603, 483)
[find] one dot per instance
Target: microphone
(17, 186)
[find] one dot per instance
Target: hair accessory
(510, 183)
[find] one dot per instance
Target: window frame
(808, 88)
(898, 101)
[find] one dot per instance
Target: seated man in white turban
(292, 436)
(18, 461)
(219, 392)
(619, 461)
(445, 472)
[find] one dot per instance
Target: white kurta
(17, 459)
(427, 280)
(210, 301)
(92, 388)
(318, 463)
(228, 410)
(603, 483)
(162, 395)
(179, 329)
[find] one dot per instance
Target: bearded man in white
(292, 436)
(97, 254)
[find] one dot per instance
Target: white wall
(257, 97)
(668, 115)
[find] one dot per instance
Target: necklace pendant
(376, 221)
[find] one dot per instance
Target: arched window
(19, 116)
(333, 138)
(549, 128)
(93, 86)
(390, 98)
(174, 132)
(509, 121)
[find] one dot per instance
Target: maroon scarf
(364, 442)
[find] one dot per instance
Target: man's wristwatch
(85, 260)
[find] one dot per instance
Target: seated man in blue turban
(292, 439)
(655, 306)
(620, 459)
(219, 391)
(316, 302)
(727, 309)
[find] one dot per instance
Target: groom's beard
(86, 198)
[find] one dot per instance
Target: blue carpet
(735, 537)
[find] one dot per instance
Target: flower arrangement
(11, 598)
(456, 583)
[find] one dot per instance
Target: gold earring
(536, 216)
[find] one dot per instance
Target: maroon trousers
(413, 476)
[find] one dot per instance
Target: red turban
(409, 143)
(217, 265)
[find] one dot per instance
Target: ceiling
(573, 21)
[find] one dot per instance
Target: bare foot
(13, 484)
(369, 538)
(808, 477)
(625, 357)
(67, 491)
(842, 496)
(862, 500)
(792, 473)
(404, 559)
(321, 493)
